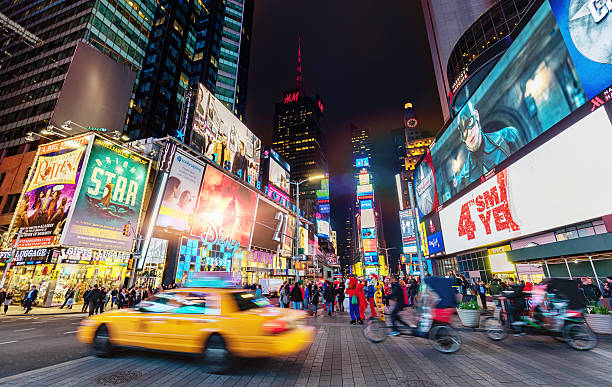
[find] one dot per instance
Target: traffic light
(126, 230)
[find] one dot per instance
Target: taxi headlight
(88, 323)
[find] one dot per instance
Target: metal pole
(416, 230)
(594, 272)
(10, 260)
(568, 269)
(547, 269)
(297, 227)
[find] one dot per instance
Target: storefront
(257, 264)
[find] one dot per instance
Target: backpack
(354, 300)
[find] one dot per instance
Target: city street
(43, 350)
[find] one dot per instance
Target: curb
(39, 314)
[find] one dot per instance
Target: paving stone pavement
(342, 356)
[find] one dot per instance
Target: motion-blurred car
(219, 323)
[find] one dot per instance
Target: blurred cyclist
(516, 303)
(399, 293)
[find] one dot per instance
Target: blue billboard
(435, 243)
(362, 162)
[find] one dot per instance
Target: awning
(573, 247)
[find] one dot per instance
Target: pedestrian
(69, 295)
(399, 293)
(258, 292)
(114, 294)
(93, 299)
(495, 286)
(362, 300)
(296, 296)
(386, 291)
(341, 296)
(315, 295)
(413, 288)
(370, 290)
(283, 296)
(8, 300)
(307, 290)
(86, 299)
(328, 295)
(481, 290)
(2, 296)
(101, 301)
(107, 297)
(351, 292)
(590, 291)
(602, 286)
(30, 299)
(122, 298)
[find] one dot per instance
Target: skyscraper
(32, 74)
(298, 136)
(192, 42)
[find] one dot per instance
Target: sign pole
(416, 230)
(10, 260)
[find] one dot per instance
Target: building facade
(193, 42)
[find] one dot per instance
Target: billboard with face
(586, 26)
(109, 199)
(48, 196)
(532, 87)
(533, 194)
(223, 138)
(425, 186)
(278, 175)
(271, 226)
(225, 210)
(181, 193)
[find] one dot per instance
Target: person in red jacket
(363, 303)
(353, 295)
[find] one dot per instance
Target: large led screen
(586, 26)
(181, 193)
(42, 211)
(425, 186)
(367, 219)
(278, 175)
(544, 190)
(532, 87)
(222, 137)
(225, 211)
(407, 227)
(109, 200)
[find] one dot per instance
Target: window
(183, 303)
(2, 176)
(10, 204)
(246, 301)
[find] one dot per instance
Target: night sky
(364, 60)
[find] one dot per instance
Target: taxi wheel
(101, 345)
(217, 356)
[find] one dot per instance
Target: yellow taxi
(219, 323)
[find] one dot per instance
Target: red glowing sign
(320, 105)
(291, 97)
(412, 122)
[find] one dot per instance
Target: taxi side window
(161, 303)
(200, 303)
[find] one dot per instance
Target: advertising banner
(219, 135)
(425, 186)
(323, 228)
(366, 204)
(533, 194)
(368, 233)
(43, 208)
(431, 234)
(370, 258)
(225, 210)
(365, 191)
(367, 219)
(532, 87)
(407, 227)
(362, 162)
(271, 227)
(585, 24)
(370, 245)
(109, 200)
(181, 193)
(278, 175)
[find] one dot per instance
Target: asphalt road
(32, 342)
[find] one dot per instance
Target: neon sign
(291, 97)
(320, 105)
(213, 236)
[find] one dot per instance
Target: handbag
(354, 300)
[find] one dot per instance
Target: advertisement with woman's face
(533, 86)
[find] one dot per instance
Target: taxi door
(179, 327)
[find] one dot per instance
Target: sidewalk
(17, 310)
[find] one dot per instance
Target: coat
(329, 295)
(296, 294)
(397, 293)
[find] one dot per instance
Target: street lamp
(297, 216)
(386, 249)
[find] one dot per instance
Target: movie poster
(271, 227)
(43, 208)
(220, 136)
(181, 193)
(109, 200)
(225, 211)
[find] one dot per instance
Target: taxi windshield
(246, 301)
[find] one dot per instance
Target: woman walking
(8, 299)
(297, 297)
(329, 295)
(314, 298)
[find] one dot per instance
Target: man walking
(94, 298)
(86, 299)
(69, 294)
(30, 298)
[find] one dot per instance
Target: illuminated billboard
(323, 229)
(407, 227)
(586, 27)
(370, 245)
(278, 175)
(364, 178)
(225, 210)
(425, 186)
(109, 200)
(271, 226)
(368, 233)
(370, 258)
(532, 87)
(223, 138)
(181, 193)
(533, 195)
(431, 234)
(43, 208)
(367, 219)
(362, 162)
(365, 191)
(366, 204)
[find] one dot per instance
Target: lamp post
(297, 216)
(386, 249)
